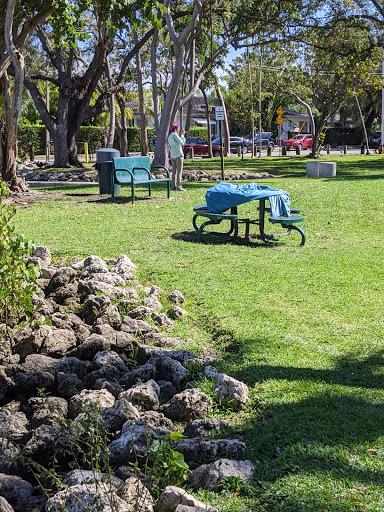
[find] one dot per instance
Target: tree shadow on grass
(328, 442)
(348, 371)
(322, 442)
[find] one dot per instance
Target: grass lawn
(302, 326)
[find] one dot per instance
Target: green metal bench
(286, 222)
(137, 170)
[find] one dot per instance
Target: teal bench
(286, 222)
(137, 170)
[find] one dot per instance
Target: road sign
(219, 113)
(279, 120)
(280, 111)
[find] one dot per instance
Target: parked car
(374, 140)
(200, 147)
(268, 140)
(235, 142)
(302, 141)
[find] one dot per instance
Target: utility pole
(382, 104)
(260, 140)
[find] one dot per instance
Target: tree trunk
(208, 118)
(12, 102)
(122, 126)
(191, 84)
(143, 122)
(155, 89)
(112, 110)
(227, 151)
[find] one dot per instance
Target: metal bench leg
(133, 191)
(303, 238)
(169, 189)
(149, 189)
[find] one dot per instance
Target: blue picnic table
(221, 205)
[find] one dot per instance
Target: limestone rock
(173, 496)
(144, 395)
(209, 475)
(231, 393)
(187, 405)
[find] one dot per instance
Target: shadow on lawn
(312, 448)
(348, 371)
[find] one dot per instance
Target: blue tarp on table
(224, 196)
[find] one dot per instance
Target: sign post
(279, 120)
(219, 116)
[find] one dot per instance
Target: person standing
(176, 141)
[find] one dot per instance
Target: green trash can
(104, 166)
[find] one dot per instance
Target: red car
(200, 147)
(301, 142)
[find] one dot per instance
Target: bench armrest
(115, 179)
(160, 167)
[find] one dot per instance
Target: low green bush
(17, 279)
(198, 131)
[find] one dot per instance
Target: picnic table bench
(137, 170)
(288, 222)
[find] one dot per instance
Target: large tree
(19, 22)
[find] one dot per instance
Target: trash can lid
(106, 155)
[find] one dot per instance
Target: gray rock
(140, 312)
(143, 373)
(6, 383)
(144, 395)
(111, 278)
(94, 307)
(8, 454)
(204, 427)
(92, 287)
(5, 506)
(135, 440)
(162, 319)
(187, 405)
(113, 418)
(58, 342)
(91, 346)
(62, 294)
(14, 424)
(27, 384)
(61, 277)
(137, 327)
(42, 252)
(94, 496)
(157, 419)
(16, 491)
(110, 316)
(209, 475)
(126, 344)
(124, 267)
(80, 476)
(197, 449)
(176, 297)
(210, 372)
(231, 393)
(107, 358)
(105, 330)
(47, 410)
(177, 312)
(99, 398)
(152, 302)
(137, 496)
(169, 369)
(173, 496)
(186, 508)
(113, 387)
(167, 390)
(68, 384)
(44, 443)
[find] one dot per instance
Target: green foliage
(167, 465)
(198, 131)
(16, 278)
(31, 134)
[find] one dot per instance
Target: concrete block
(315, 169)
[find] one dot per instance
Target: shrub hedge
(94, 135)
(198, 131)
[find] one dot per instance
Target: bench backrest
(129, 163)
